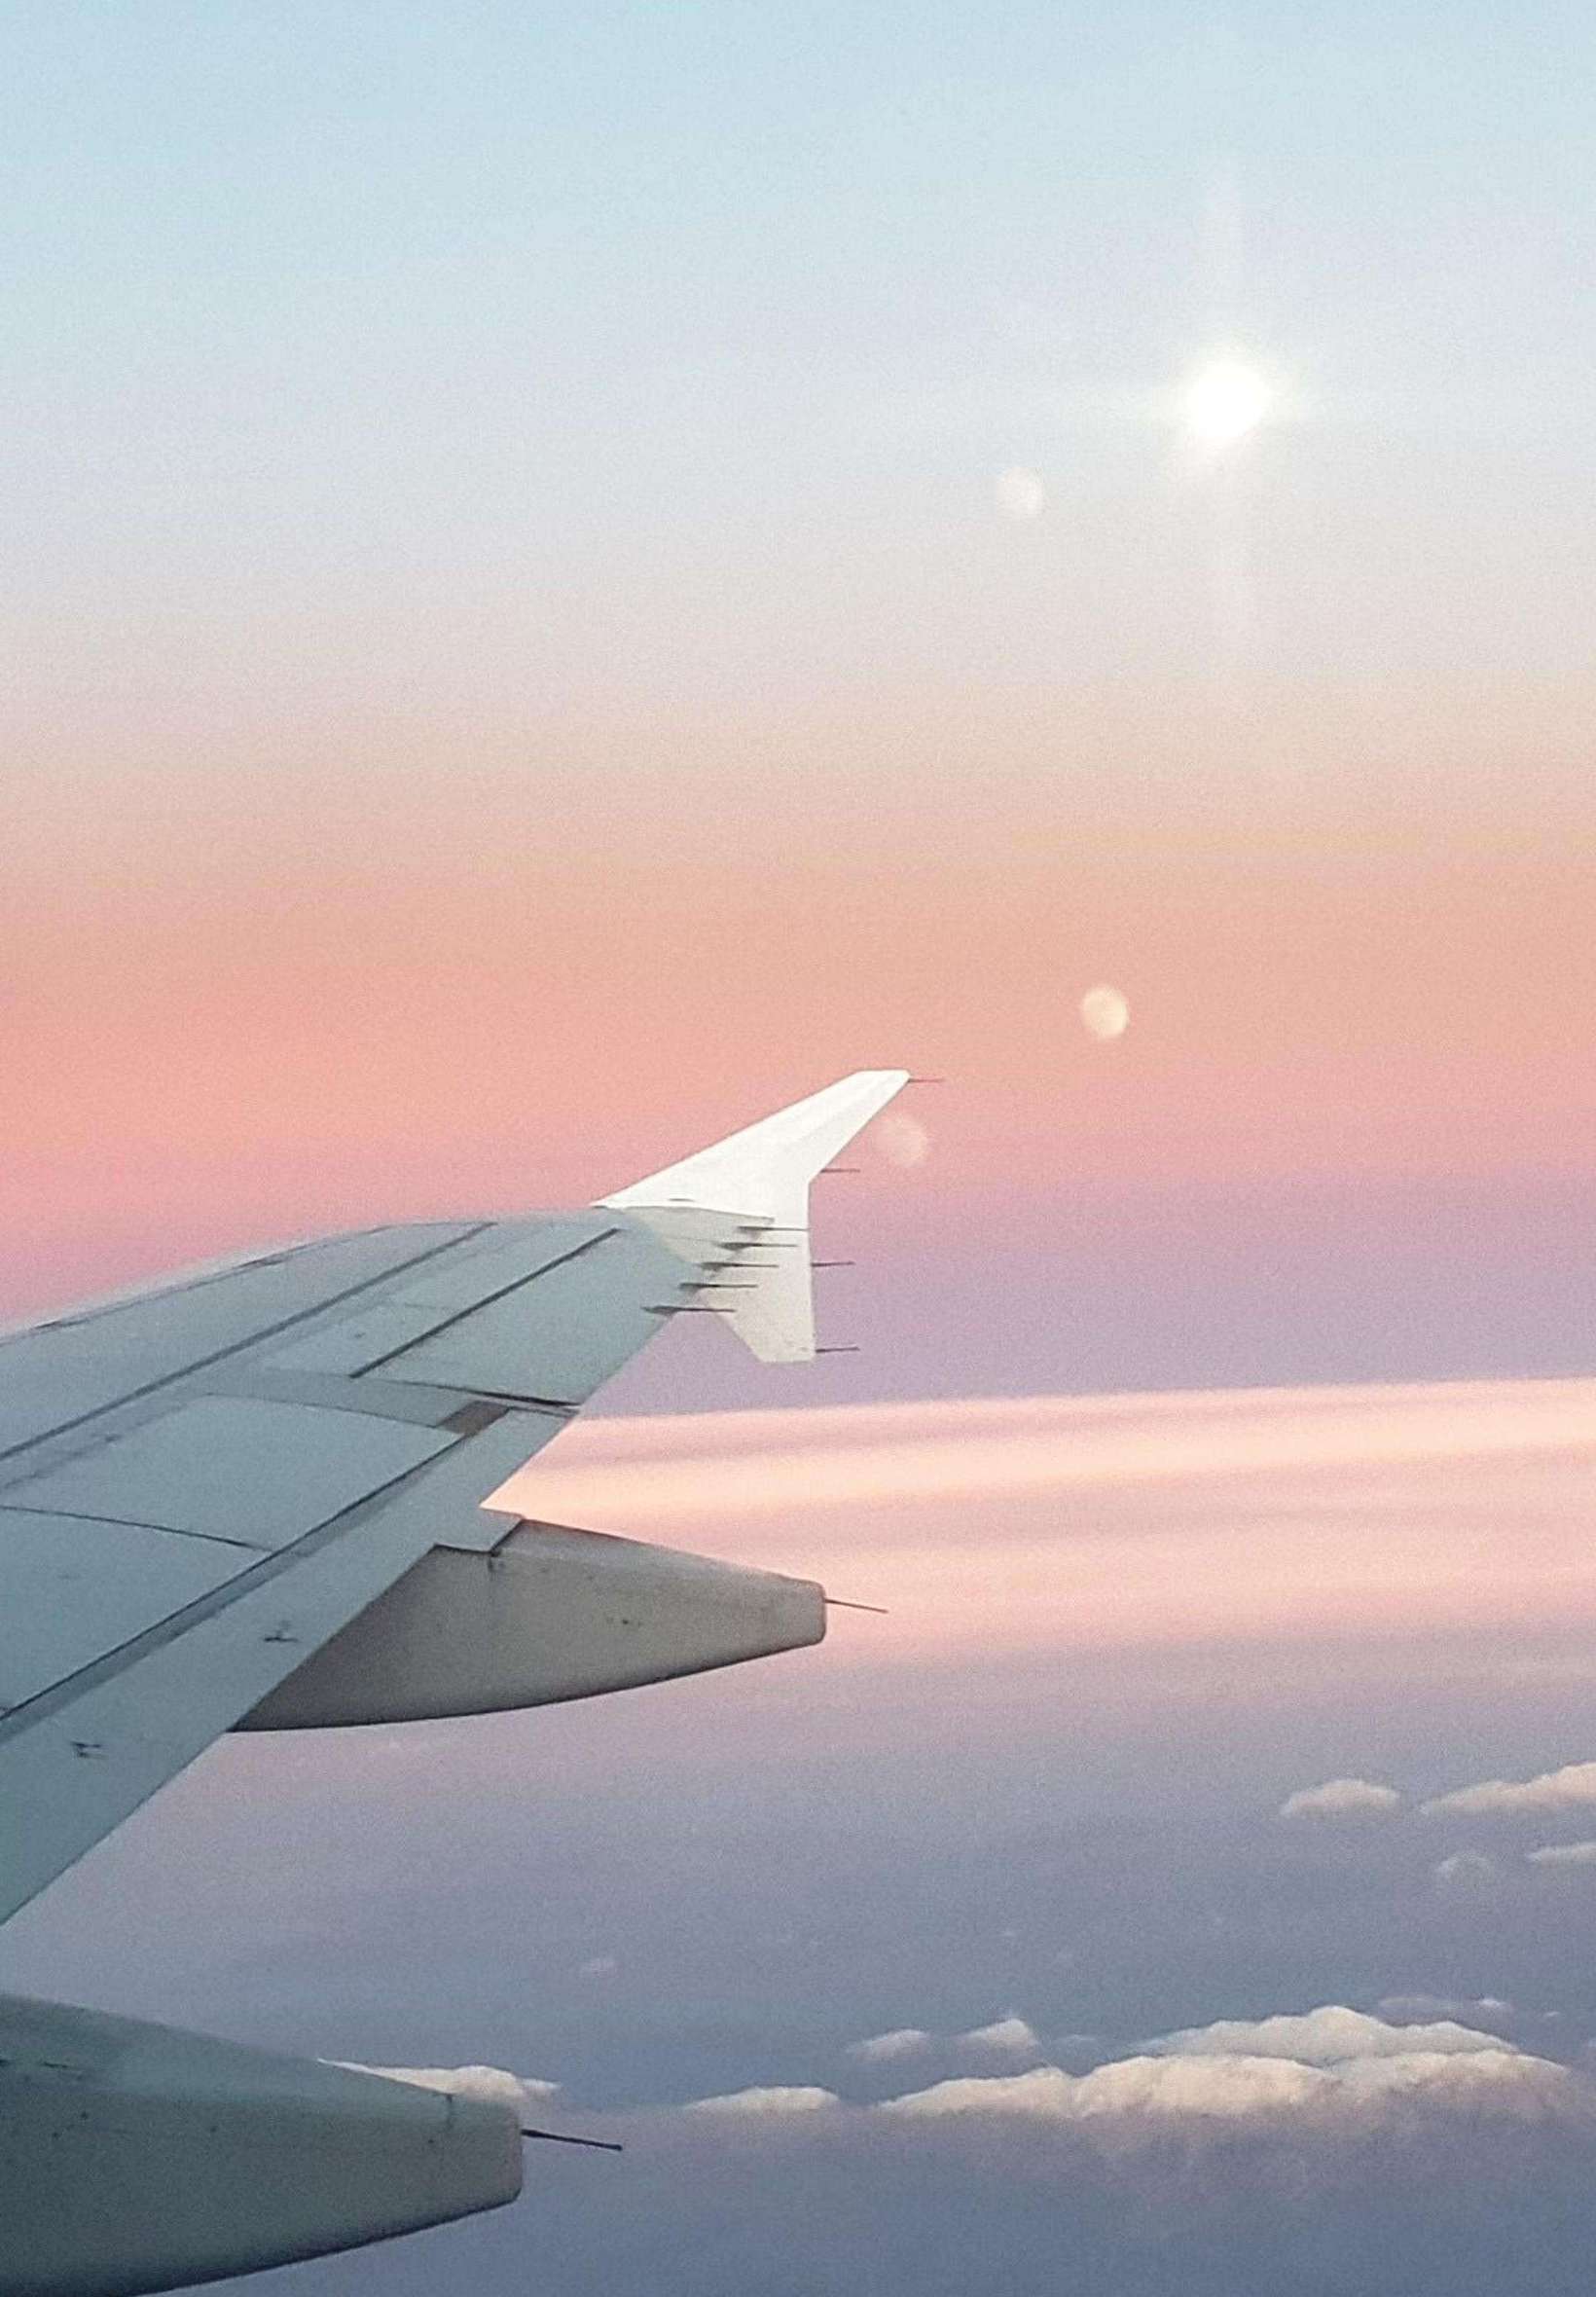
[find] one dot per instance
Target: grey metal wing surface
(207, 1485)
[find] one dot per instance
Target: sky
(571, 575)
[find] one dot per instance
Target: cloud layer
(1110, 1521)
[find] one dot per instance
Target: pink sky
(338, 987)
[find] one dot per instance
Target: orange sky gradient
(336, 987)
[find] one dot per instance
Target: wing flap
(85, 1751)
(79, 1760)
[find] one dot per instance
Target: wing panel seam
(176, 1531)
(160, 1633)
(488, 1300)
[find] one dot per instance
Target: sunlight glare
(1224, 402)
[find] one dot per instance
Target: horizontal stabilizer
(760, 1176)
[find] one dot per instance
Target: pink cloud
(1059, 1523)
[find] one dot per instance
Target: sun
(1224, 401)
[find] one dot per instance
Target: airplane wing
(253, 1497)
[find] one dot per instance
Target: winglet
(760, 1176)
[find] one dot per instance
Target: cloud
(1564, 1854)
(1331, 2063)
(1130, 2088)
(903, 2041)
(1465, 1867)
(1432, 2174)
(1341, 1798)
(1122, 1520)
(1334, 2070)
(758, 2102)
(1573, 1788)
(1005, 2037)
(1332, 2035)
(1185, 2167)
(1010, 2036)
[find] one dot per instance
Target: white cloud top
(1231, 2087)
(1565, 1854)
(1155, 2092)
(1328, 2077)
(1010, 2036)
(1332, 2035)
(1573, 1788)
(1342, 1798)
(1465, 1866)
(903, 2041)
(1334, 2068)
(758, 2101)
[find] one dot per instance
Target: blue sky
(716, 322)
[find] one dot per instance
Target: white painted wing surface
(201, 1486)
(203, 1483)
(762, 1176)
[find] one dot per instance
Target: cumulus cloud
(1564, 1854)
(1432, 2174)
(1573, 1788)
(903, 2041)
(1462, 1868)
(1160, 2093)
(1329, 2064)
(760, 2101)
(1010, 2036)
(1212, 2160)
(1331, 2035)
(1129, 2087)
(1342, 1798)
(1349, 2075)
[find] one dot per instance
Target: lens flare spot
(1106, 1012)
(902, 1141)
